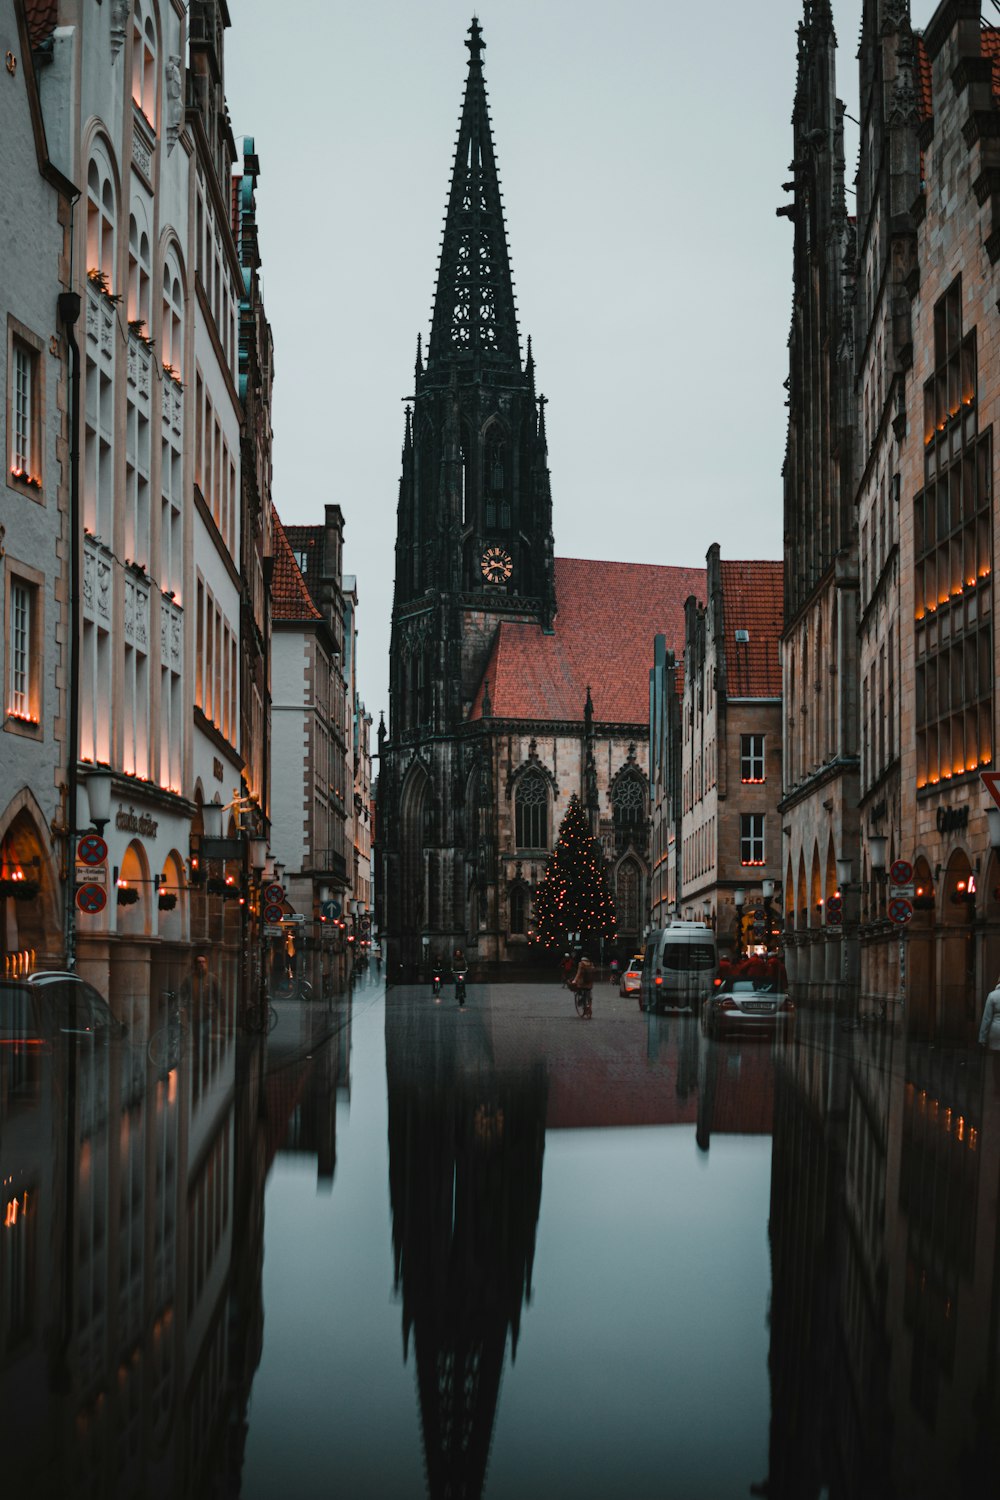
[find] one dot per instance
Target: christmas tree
(574, 895)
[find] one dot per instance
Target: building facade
(887, 181)
(666, 686)
(819, 807)
(728, 834)
(35, 249)
(948, 531)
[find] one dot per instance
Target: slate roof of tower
(752, 600)
(602, 638)
(290, 598)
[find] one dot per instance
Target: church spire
(474, 315)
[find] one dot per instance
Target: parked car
(747, 1006)
(61, 1003)
(631, 980)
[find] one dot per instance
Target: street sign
(365, 924)
(91, 898)
(91, 850)
(331, 909)
(274, 894)
(293, 919)
(909, 891)
(834, 918)
(901, 872)
(900, 909)
(91, 874)
(273, 912)
(273, 932)
(991, 781)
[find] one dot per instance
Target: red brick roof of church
(290, 598)
(607, 616)
(753, 600)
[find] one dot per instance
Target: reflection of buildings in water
(466, 1142)
(123, 1359)
(308, 1069)
(735, 1087)
(886, 1273)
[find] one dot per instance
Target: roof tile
(753, 600)
(602, 638)
(290, 599)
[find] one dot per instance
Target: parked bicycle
(259, 1017)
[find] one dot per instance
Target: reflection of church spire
(465, 1175)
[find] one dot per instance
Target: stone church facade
(516, 679)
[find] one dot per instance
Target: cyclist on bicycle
(583, 981)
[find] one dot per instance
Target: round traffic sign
(331, 909)
(91, 898)
(273, 913)
(92, 850)
(834, 918)
(901, 872)
(274, 894)
(900, 909)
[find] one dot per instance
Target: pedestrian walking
(989, 1029)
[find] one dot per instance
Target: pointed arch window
(496, 487)
(101, 215)
(628, 807)
(144, 63)
(531, 811)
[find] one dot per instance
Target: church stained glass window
(531, 805)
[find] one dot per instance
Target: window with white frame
(22, 685)
(101, 215)
(752, 839)
(23, 446)
(751, 757)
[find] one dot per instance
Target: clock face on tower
(496, 565)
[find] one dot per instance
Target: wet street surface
(393, 1247)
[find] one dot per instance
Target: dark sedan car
(39, 1011)
(747, 1006)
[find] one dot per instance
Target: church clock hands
(496, 565)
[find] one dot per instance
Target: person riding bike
(583, 982)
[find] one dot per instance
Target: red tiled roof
(752, 600)
(608, 614)
(290, 599)
(42, 17)
(989, 40)
(306, 543)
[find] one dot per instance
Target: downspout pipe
(69, 313)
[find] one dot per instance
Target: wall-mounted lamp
(211, 817)
(99, 796)
(876, 849)
(739, 897)
(845, 869)
(324, 892)
(258, 855)
(279, 870)
(767, 889)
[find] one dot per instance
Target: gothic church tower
(473, 547)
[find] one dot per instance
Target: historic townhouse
(137, 121)
(819, 807)
(359, 768)
(39, 352)
(311, 817)
(516, 679)
(948, 521)
(730, 762)
(887, 181)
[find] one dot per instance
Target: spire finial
(543, 402)
(419, 367)
(474, 42)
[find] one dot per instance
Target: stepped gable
(601, 639)
(753, 600)
(290, 598)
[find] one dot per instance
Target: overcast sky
(642, 148)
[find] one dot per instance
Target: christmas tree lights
(573, 894)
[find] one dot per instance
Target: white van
(679, 967)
